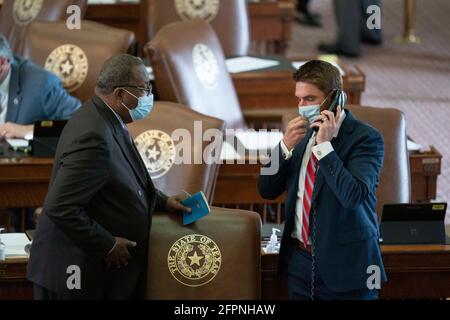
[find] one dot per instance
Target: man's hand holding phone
(327, 125)
(295, 131)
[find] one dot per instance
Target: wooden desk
(419, 271)
(414, 272)
(24, 181)
(274, 87)
(271, 25)
(13, 281)
(425, 167)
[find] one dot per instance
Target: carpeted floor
(412, 78)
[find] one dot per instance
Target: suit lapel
(14, 96)
(126, 147)
(337, 143)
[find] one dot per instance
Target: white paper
(228, 152)
(17, 143)
(298, 64)
(413, 146)
(242, 64)
(15, 244)
(259, 140)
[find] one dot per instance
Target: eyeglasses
(147, 90)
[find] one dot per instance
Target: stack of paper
(243, 64)
(17, 244)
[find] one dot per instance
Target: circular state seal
(157, 150)
(197, 9)
(194, 260)
(70, 63)
(25, 11)
(205, 65)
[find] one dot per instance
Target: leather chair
(189, 68)
(15, 16)
(228, 18)
(76, 56)
(395, 184)
(218, 257)
(153, 137)
(395, 181)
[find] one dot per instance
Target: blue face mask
(143, 109)
(310, 112)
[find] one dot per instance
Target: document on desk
(243, 64)
(298, 64)
(17, 143)
(16, 244)
(259, 140)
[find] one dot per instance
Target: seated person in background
(28, 93)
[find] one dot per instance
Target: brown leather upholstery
(395, 184)
(167, 117)
(227, 238)
(395, 181)
(205, 86)
(15, 16)
(76, 56)
(228, 18)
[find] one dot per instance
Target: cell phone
(336, 98)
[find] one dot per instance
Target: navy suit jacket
(344, 203)
(36, 94)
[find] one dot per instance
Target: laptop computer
(45, 137)
(421, 223)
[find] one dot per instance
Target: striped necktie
(307, 197)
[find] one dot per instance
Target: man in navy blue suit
(28, 93)
(330, 247)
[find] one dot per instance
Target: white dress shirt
(320, 151)
(4, 93)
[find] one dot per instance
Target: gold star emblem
(195, 259)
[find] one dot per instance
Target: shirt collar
(4, 87)
(115, 113)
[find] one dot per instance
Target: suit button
(140, 193)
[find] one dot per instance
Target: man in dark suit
(97, 214)
(330, 241)
(352, 28)
(28, 93)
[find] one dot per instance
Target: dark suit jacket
(36, 94)
(347, 230)
(99, 189)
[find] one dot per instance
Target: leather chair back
(158, 140)
(15, 16)
(76, 56)
(189, 68)
(395, 181)
(229, 20)
(218, 257)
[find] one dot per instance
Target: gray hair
(5, 50)
(117, 71)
